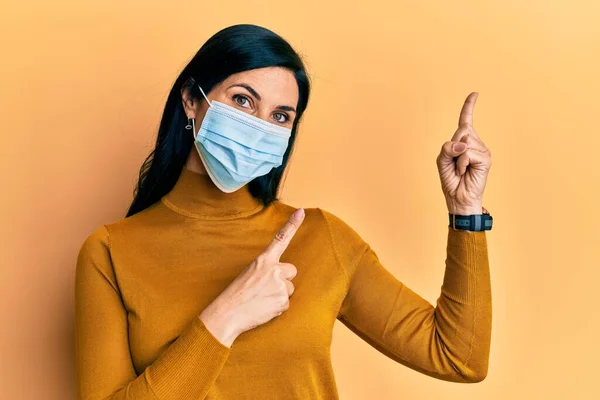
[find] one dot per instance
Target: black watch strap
(473, 222)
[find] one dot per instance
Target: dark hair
(233, 49)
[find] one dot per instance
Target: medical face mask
(236, 147)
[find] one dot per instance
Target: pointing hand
(259, 293)
(463, 164)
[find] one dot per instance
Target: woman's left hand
(463, 179)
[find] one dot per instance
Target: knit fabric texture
(142, 281)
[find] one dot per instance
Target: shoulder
(343, 237)
(315, 217)
(341, 230)
(97, 245)
(142, 223)
(96, 241)
(93, 259)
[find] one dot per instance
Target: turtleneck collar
(195, 195)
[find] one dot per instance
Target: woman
(213, 288)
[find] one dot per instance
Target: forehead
(275, 85)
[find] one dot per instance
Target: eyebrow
(255, 94)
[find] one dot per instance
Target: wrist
(474, 207)
(221, 325)
(471, 222)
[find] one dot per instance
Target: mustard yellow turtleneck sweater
(141, 283)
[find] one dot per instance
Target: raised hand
(463, 164)
(259, 293)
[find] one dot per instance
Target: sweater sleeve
(450, 341)
(185, 370)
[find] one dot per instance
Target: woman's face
(268, 93)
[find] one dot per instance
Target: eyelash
(287, 118)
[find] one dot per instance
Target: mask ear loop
(207, 100)
(193, 119)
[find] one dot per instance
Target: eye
(235, 98)
(286, 118)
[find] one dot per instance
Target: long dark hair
(233, 49)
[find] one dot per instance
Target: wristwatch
(473, 222)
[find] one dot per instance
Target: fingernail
(299, 213)
(459, 146)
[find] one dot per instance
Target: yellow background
(83, 85)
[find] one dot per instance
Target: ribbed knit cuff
(189, 367)
(466, 258)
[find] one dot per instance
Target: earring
(189, 124)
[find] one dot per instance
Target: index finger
(466, 113)
(282, 239)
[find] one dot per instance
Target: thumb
(459, 147)
(450, 150)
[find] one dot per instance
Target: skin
(463, 174)
(262, 290)
(276, 87)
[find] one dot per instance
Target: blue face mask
(236, 147)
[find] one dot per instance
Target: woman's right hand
(259, 293)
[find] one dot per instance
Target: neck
(195, 195)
